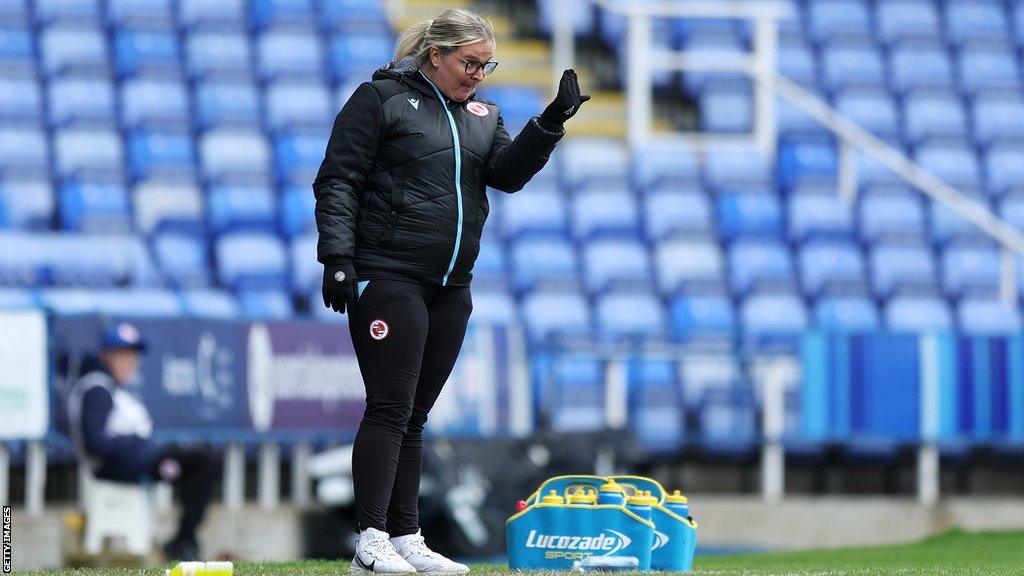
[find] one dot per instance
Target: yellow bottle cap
(583, 497)
(676, 497)
(552, 498)
(638, 499)
(611, 486)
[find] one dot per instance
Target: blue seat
(1003, 169)
(728, 108)
(933, 116)
(168, 206)
(757, 264)
(982, 68)
(629, 315)
(140, 12)
(975, 21)
(145, 302)
(804, 161)
(218, 52)
(950, 227)
(184, 259)
(270, 13)
(873, 110)
(306, 272)
(356, 56)
(655, 406)
(585, 161)
(23, 151)
(871, 172)
(162, 154)
(221, 103)
(915, 67)
(970, 270)
(26, 204)
(773, 315)
(582, 16)
(291, 105)
(23, 259)
(263, 304)
(18, 299)
(901, 266)
(493, 308)
(146, 51)
(21, 101)
(615, 262)
(87, 153)
(900, 20)
(146, 102)
(702, 317)
(355, 14)
(99, 261)
(998, 118)
(1012, 210)
(289, 53)
(830, 266)
(655, 164)
(735, 167)
(686, 264)
(543, 260)
(829, 19)
(541, 210)
(81, 100)
(846, 314)
(67, 10)
(954, 163)
(251, 260)
(241, 208)
(518, 103)
(819, 214)
(710, 45)
(203, 13)
(796, 62)
(490, 267)
(73, 50)
(210, 304)
(987, 317)
(844, 66)
(227, 153)
(917, 314)
(17, 53)
(727, 423)
(746, 214)
(94, 207)
(574, 397)
(297, 210)
(791, 121)
(556, 313)
(599, 212)
(891, 215)
(668, 213)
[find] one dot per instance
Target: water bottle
(201, 569)
(639, 505)
(583, 496)
(610, 493)
(678, 503)
(552, 498)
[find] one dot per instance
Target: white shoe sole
(452, 573)
(356, 569)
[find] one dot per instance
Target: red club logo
(478, 109)
(379, 329)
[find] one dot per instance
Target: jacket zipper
(458, 177)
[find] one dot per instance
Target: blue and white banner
(23, 392)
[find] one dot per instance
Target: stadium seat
(585, 161)
(702, 317)
(846, 314)
(773, 315)
(805, 161)
(987, 317)
(291, 53)
(18, 299)
(735, 167)
(81, 101)
(98, 261)
(21, 101)
(264, 304)
(932, 116)
(490, 264)
(872, 110)
(280, 13)
(970, 270)
(901, 266)
(917, 314)
(749, 214)
(1003, 170)
(629, 315)
(728, 108)
(831, 19)
(70, 301)
(493, 308)
(819, 214)
(985, 67)
(901, 20)
(146, 51)
(306, 272)
(88, 153)
(48, 11)
(950, 227)
(597, 213)
(23, 259)
(210, 304)
(687, 264)
(1011, 209)
(297, 210)
(218, 53)
(144, 302)
(23, 151)
(574, 397)
(791, 121)
(203, 13)
(796, 62)
(614, 262)
(17, 54)
(163, 155)
(658, 164)
(541, 261)
(670, 213)
(919, 67)
(891, 216)
(756, 265)
(78, 50)
(975, 21)
(356, 56)
(541, 210)
(94, 207)
(241, 208)
(168, 206)
(830, 266)
(518, 104)
(149, 102)
(234, 153)
(582, 16)
(291, 105)
(998, 118)
(184, 259)
(251, 261)
(954, 163)
(26, 204)
(847, 65)
(655, 406)
(221, 103)
(556, 313)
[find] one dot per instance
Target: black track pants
(407, 337)
(195, 485)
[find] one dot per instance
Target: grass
(952, 553)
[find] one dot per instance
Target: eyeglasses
(474, 67)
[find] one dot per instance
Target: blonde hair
(448, 30)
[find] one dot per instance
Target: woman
(400, 215)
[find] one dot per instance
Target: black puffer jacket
(391, 194)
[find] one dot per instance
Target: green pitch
(980, 553)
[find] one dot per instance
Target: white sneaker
(376, 555)
(426, 561)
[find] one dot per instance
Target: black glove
(567, 102)
(339, 287)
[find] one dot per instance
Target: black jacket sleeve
(513, 162)
(96, 407)
(347, 163)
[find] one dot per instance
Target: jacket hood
(407, 70)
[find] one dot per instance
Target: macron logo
(415, 103)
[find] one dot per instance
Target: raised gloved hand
(567, 102)
(339, 287)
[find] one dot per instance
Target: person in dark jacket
(111, 429)
(400, 208)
